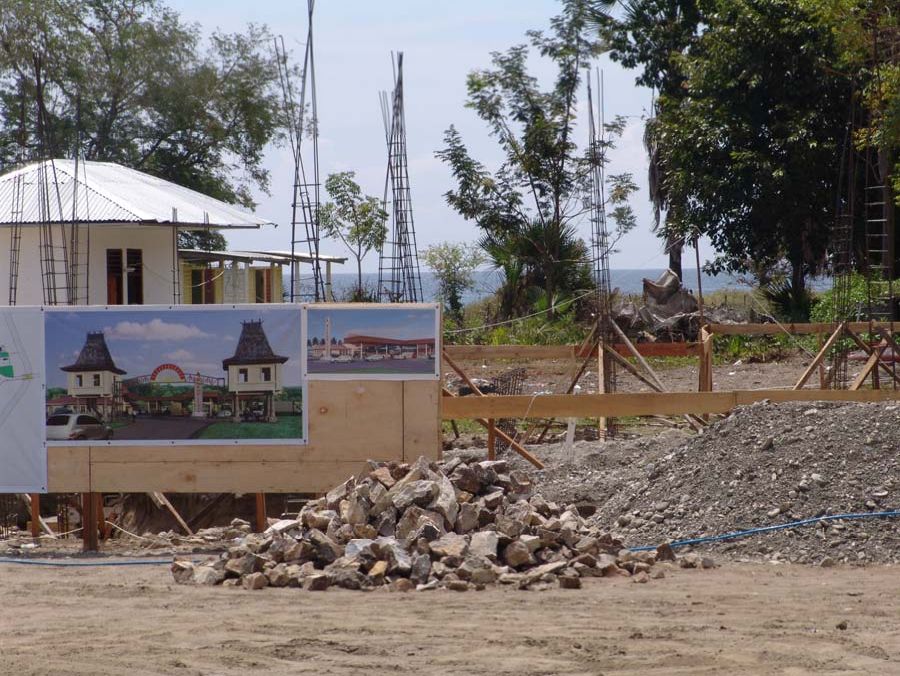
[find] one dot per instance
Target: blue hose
(769, 529)
(86, 564)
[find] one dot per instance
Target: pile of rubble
(457, 526)
(764, 465)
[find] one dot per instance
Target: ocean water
(628, 281)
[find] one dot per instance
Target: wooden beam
(261, 523)
(868, 368)
(35, 512)
(868, 349)
(516, 446)
(530, 352)
(793, 329)
(492, 440)
(162, 501)
(640, 404)
(35, 515)
(89, 530)
(814, 364)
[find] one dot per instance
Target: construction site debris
(763, 465)
(457, 525)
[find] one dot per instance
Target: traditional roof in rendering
(94, 356)
(104, 193)
(253, 347)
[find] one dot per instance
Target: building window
(124, 277)
(135, 274)
(79, 380)
(96, 380)
(242, 375)
(266, 374)
(114, 277)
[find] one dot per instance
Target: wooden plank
(421, 419)
(68, 469)
(793, 329)
(164, 502)
(528, 352)
(814, 364)
(640, 404)
(868, 368)
(365, 415)
(223, 477)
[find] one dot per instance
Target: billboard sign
(372, 342)
(174, 375)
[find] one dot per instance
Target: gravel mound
(763, 465)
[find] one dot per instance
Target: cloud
(179, 355)
(155, 329)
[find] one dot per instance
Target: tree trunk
(675, 246)
(359, 291)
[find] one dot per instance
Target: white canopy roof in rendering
(105, 193)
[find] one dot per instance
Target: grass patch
(287, 427)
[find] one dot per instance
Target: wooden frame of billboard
(349, 423)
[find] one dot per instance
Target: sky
(442, 42)
(399, 323)
(194, 340)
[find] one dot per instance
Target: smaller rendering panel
(372, 342)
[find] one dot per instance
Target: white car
(76, 427)
(342, 359)
(375, 357)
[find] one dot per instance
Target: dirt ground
(737, 619)
(553, 375)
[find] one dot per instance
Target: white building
(101, 234)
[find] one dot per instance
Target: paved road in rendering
(162, 428)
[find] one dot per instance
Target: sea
(627, 281)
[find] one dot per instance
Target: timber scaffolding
(876, 340)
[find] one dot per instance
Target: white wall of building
(155, 242)
(254, 381)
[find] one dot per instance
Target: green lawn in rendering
(287, 427)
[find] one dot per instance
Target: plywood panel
(421, 424)
(357, 419)
(68, 469)
(349, 423)
(222, 477)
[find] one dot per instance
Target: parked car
(224, 413)
(374, 357)
(342, 359)
(76, 426)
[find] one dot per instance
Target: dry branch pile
(457, 526)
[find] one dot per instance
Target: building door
(263, 284)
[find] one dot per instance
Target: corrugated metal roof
(200, 255)
(108, 193)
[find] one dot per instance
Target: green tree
(529, 207)
(355, 219)
(654, 36)
(453, 265)
(751, 149)
(127, 81)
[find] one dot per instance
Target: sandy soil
(738, 619)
